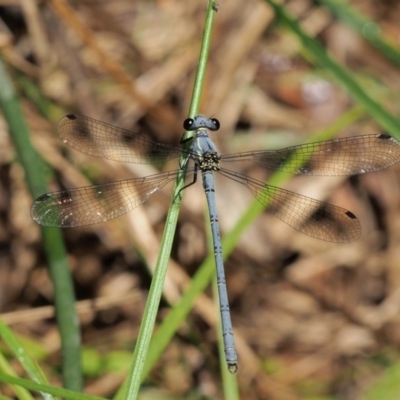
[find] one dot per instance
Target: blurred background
(313, 320)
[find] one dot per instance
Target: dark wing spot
(305, 168)
(350, 215)
(71, 116)
(322, 215)
(127, 137)
(65, 197)
(83, 131)
(43, 197)
(384, 136)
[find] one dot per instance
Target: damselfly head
(199, 121)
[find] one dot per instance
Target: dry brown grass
(310, 317)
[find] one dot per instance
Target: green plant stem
(156, 288)
(53, 243)
(29, 365)
(55, 391)
(22, 393)
(203, 58)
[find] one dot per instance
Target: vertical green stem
(155, 293)
(203, 58)
(52, 239)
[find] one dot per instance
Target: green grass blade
(55, 391)
(30, 366)
(20, 392)
(341, 74)
(364, 26)
(203, 58)
(178, 313)
(150, 312)
(52, 239)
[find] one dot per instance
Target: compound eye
(216, 124)
(188, 123)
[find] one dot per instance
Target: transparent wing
(337, 157)
(107, 141)
(312, 217)
(93, 204)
